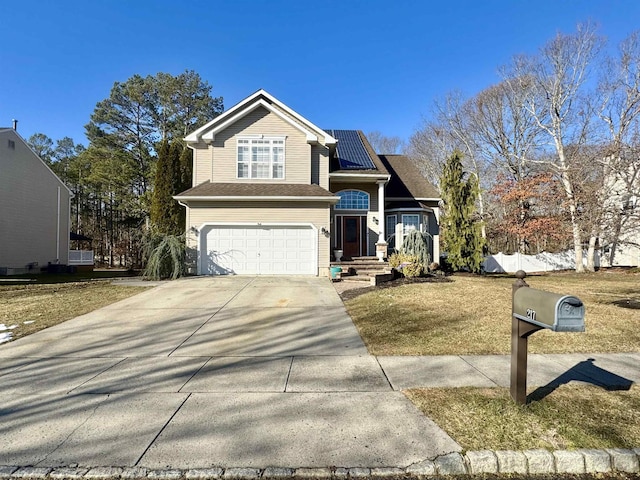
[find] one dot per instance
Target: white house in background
(34, 209)
(622, 207)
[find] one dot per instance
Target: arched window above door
(353, 200)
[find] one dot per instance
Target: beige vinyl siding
(320, 166)
(280, 213)
(34, 226)
(322, 135)
(201, 164)
(261, 122)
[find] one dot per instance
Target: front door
(351, 241)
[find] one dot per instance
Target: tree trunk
(575, 228)
(591, 254)
(616, 238)
(522, 242)
(483, 227)
(111, 229)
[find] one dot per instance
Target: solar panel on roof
(351, 152)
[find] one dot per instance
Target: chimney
(15, 124)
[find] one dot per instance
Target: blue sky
(361, 64)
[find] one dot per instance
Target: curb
(533, 462)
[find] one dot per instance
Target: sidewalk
(613, 370)
(183, 413)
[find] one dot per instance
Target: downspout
(58, 231)
(194, 174)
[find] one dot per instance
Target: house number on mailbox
(531, 314)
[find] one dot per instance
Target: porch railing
(81, 257)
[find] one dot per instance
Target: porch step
(356, 278)
(361, 271)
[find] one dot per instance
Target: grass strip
(472, 315)
(569, 417)
(37, 306)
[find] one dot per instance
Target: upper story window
(353, 200)
(261, 158)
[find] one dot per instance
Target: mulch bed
(356, 292)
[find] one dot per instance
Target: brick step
(356, 278)
(371, 272)
(359, 261)
(363, 273)
(366, 268)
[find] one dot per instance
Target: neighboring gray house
(275, 194)
(34, 209)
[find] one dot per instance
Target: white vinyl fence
(542, 262)
(546, 262)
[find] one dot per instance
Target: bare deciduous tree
(558, 104)
(619, 94)
(385, 145)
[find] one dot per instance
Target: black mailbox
(560, 313)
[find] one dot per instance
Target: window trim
(249, 139)
(353, 190)
(391, 234)
(404, 225)
(395, 222)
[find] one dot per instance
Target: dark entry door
(351, 236)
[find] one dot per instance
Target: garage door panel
(259, 250)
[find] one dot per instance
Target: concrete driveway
(209, 372)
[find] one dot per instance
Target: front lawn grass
(573, 416)
(34, 307)
(472, 315)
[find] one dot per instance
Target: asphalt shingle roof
(406, 180)
(209, 189)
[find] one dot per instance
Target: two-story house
(275, 194)
(34, 209)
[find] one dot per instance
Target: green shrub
(164, 255)
(413, 269)
(408, 265)
(415, 243)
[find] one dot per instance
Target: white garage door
(258, 250)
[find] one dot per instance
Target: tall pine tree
(461, 229)
(172, 176)
(161, 203)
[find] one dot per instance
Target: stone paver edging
(532, 462)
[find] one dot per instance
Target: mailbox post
(533, 310)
